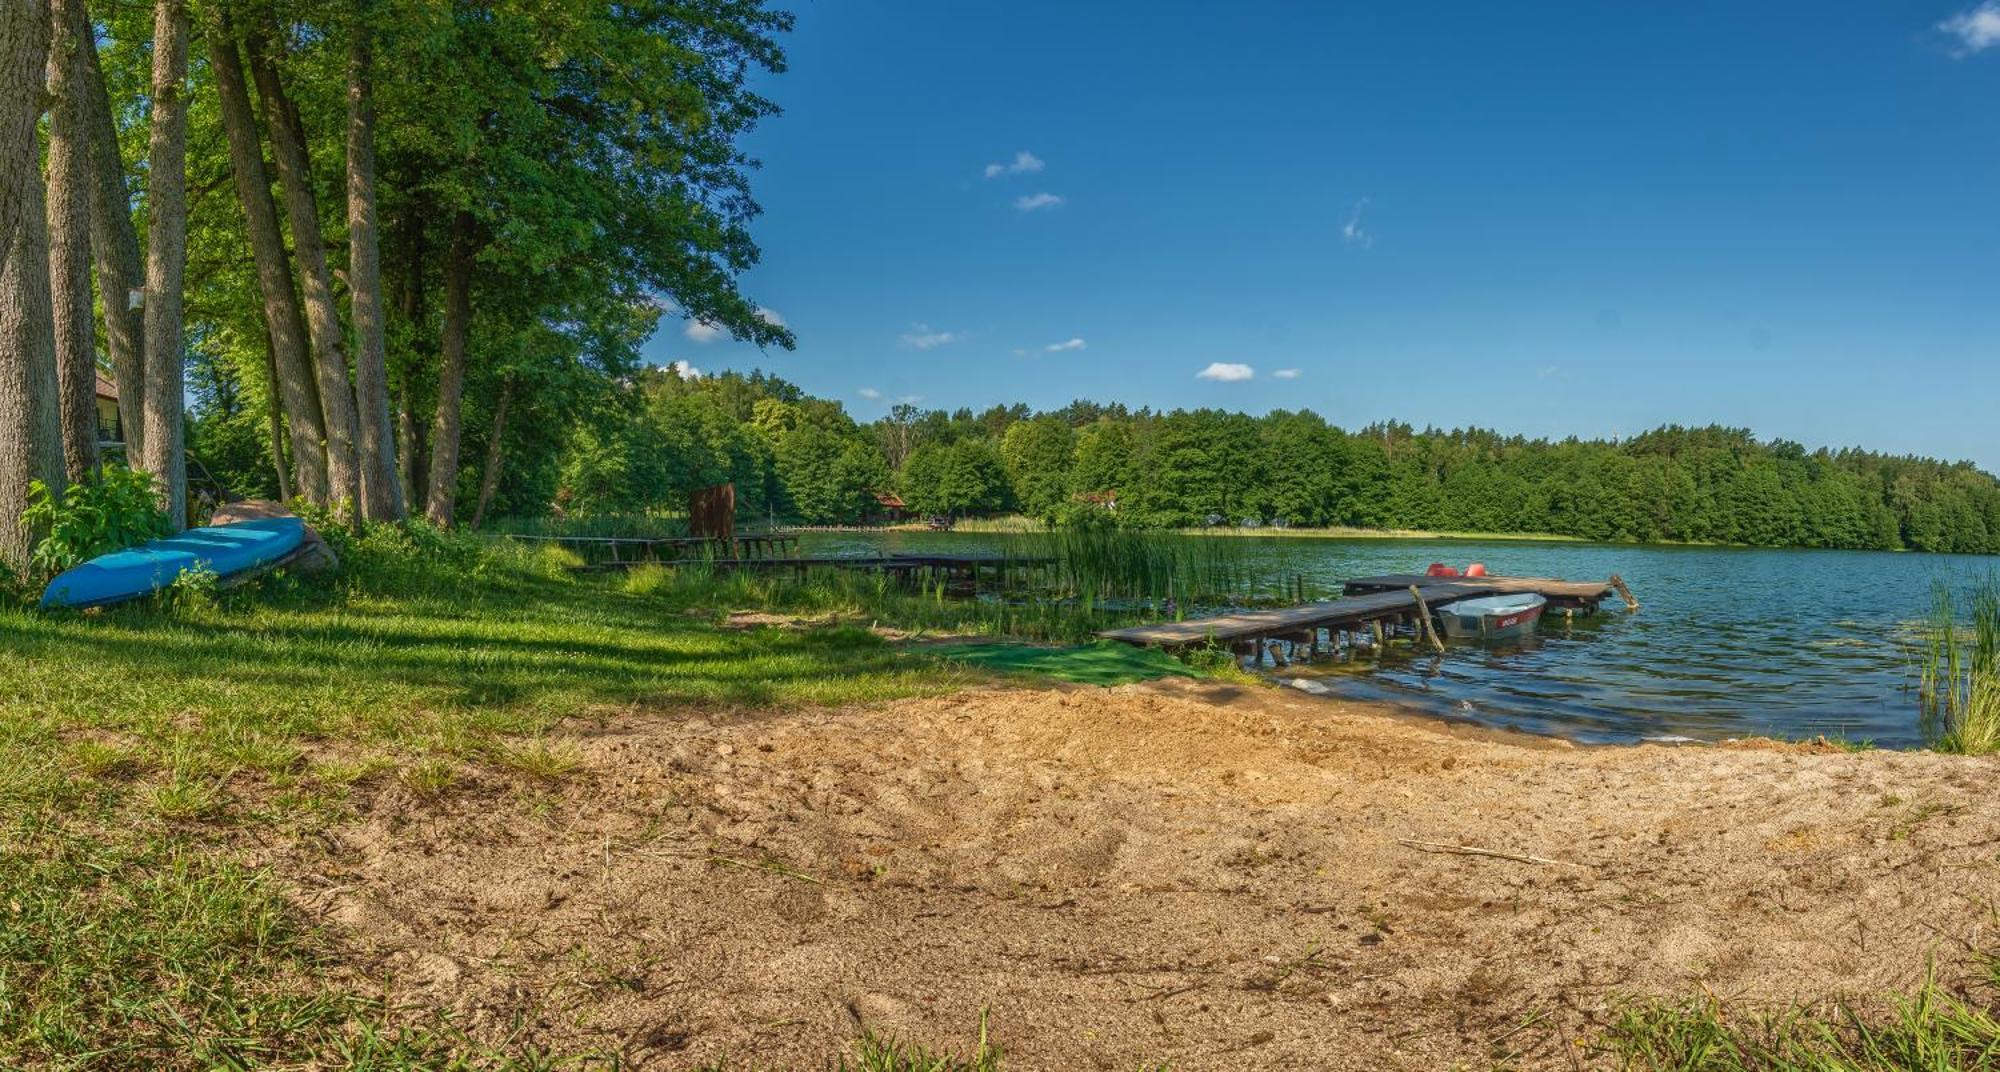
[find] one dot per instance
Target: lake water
(1729, 642)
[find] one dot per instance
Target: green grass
(1934, 1029)
(1103, 663)
(133, 741)
(1958, 669)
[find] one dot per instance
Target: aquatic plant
(1958, 665)
(1097, 563)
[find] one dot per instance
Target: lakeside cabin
(109, 432)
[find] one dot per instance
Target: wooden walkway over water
(962, 567)
(1373, 604)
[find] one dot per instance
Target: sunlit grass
(132, 741)
(1933, 1029)
(1958, 666)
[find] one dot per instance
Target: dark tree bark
(381, 493)
(451, 371)
(166, 259)
(293, 375)
(69, 189)
(30, 424)
(336, 393)
(411, 430)
(114, 244)
(496, 454)
(275, 413)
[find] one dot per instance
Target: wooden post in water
(1381, 641)
(1618, 583)
(1424, 619)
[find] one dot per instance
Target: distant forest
(796, 458)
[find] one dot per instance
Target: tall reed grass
(653, 526)
(1093, 564)
(1958, 666)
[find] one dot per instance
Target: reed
(1098, 564)
(1958, 668)
(652, 526)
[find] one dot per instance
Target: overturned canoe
(145, 569)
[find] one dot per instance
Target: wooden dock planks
(1386, 599)
(1554, 589)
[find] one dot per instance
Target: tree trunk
(166, 259)
(381, 493)
(30, 423)
(277, 420)
(451, 371)
(292, 380)
(495, 451)
(410, 429)
(114, 244)
(336, 393)
(69, 240)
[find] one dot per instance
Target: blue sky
(1551, 219)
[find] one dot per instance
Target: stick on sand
(1470, 850)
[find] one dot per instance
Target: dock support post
(1618, 583)
(1375, 626)
(1424, 619)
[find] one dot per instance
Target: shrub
(114, 509)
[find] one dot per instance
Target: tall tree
(30, 425)
(288, 145)
(496, 451)
(291, 365)
(69, 193)
(443, 501)
(166, 260)
(114, 245)
(381, 490)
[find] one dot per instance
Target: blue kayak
(149, 567)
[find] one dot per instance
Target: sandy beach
(1185, 873)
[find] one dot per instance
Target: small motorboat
(1492, 617)
(137, 571)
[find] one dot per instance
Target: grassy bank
(137, 745)
(144, 749)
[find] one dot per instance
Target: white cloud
(910, 400)
(770, 316)
(1977, 29)
(1024, 161)
(869, 393)
(921, 337)
(1226, 372)
(1066, 344)
(702, 331)
(1285, 374)
(686, 371)
(1036, 201)
(1352, 232)
(1546, 371)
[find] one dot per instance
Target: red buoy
(1477, 569)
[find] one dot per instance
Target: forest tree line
(346, 228)
(795, 458)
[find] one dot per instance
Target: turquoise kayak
(149, 567)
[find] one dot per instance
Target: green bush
(114, 509)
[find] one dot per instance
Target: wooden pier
(619, 552)
(963, 569)
(1374, 606)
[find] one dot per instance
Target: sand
(1217, 877)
